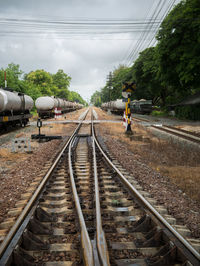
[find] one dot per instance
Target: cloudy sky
(85, 38)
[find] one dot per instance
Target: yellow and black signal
(127, 89)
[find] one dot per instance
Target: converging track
(88, 211)
(171, 130)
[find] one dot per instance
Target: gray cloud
(86, 61)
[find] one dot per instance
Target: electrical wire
(70, 27)
(143, 35)
(143, 43)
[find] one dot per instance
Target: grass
(180, 164)
(159, 113)
(116, 202)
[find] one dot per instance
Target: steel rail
(181, 133)
(34, 197)
(184, 131)
(149, 206)
(88, 255)
(100, 236)
(178, 134)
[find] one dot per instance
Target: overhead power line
(71, 28)
(136, 49)
(132, 46)
(148, 36)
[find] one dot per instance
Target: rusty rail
(100, 236)
(35, 196)
(151, 209)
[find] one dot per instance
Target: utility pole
(109, 83)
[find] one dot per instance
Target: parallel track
(184, 134)
(86, 211)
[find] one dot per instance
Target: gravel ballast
(179, 205)
(18, 170)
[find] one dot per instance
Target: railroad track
(184, 134)
(87, 211)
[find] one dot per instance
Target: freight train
(48, 106)
(142, 106)
(14, 108)
(117, 106)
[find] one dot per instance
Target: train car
(116, 107)
(141, 107)
(14, 107)
(48, 106)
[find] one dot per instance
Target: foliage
(13, 77)
(32, 90)
(75, 97)
(178, 50)
(42, 80)
(120, 75)
(61, 82)
(113, 88)
(188, 112)
(144, 72)
(168, 72)
(159, 113)
(39, 83)
(96, 98)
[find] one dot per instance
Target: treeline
(39, 83)
(168, 72)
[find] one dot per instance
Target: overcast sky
(87, 58)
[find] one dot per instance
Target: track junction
(88, 210)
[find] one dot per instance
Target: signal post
(128, 88)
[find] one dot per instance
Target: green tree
(75, 97)
(96, 98)
(178, 50)
(13, 77)
(113, 89)
(32, 90)
(42, 79)
(120, 75)
(61, 82)
(38, 83)
(144, 72)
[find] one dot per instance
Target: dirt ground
(168, 172)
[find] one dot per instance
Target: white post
(5, 79)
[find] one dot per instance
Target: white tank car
(56, 102)
(68, 105)
(14, 101)
(119, 105)
(46, 103)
